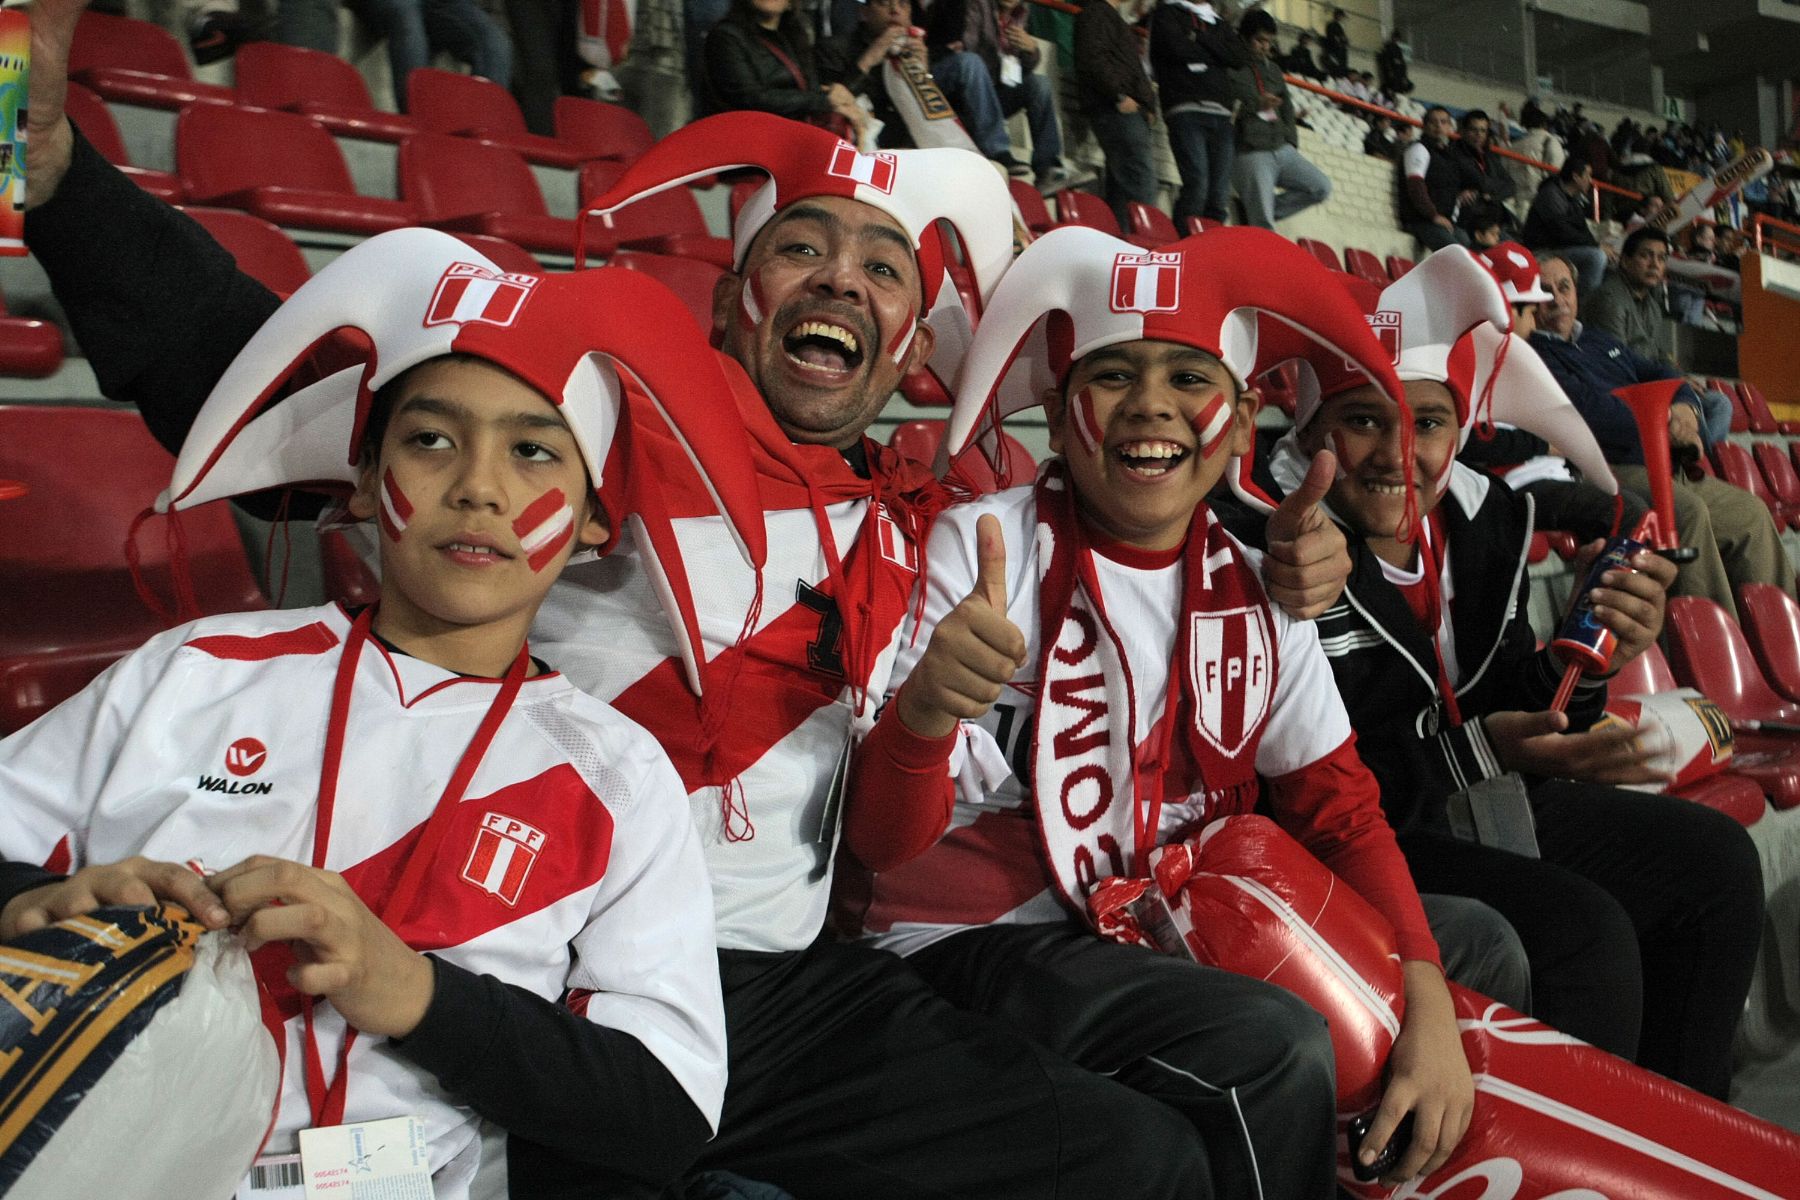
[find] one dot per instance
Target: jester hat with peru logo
(614, 350)
(1075, 291)
(917, 188)
(1449, 321)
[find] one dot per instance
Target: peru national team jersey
(988, 868)
(570, 864)
(791, 716)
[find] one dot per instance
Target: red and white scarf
(1099, 794)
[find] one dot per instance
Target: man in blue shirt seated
(1730, 528)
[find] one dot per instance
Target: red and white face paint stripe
(903, 340)
(396, 509)
(750, 303)
(1212, 425)
(1087, 422)
(544, 528)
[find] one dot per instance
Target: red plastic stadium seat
(1737, 796)
(689, 278)
(1280, 386)
(1739, 470)
(918, 440)
(1772, 627)
(1563, 542)
(1539, 549)
(1031, 206)
(1196, 225)
(1740, 412)
(504, 254)
(1398, 265)
(97, 125)
(599, 130)
(29, 348)
(318, 85)
(1778, 473)
(470, 106)
(262, 251)
(69, 608)
(1364, 265)
(469, 187)
(1151, 226)
(670, 222)
(281, 166)
(135, 62)
(1077, 207)
(1762, 419)
(1707, 651)
(1321, 251)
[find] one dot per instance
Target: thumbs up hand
(973, 652)
(1307, 563)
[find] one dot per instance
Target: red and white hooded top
(570, 863)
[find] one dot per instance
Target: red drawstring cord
(187, 605)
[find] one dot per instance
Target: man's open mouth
(1150, 456)
(823, 346)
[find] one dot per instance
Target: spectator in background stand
(760, 58)
(1193, 52)
(1729, 528)
(1536, 143)
(1390, 63)
(1558, 222)
(1268, 155)
(1386, 140)
(1481, 169)
(1299, 60)
(1485, 223)
(414, 29)
(986, 62)
(854, 56)
(1118, 102)
(1637, 171)
(1633, 304)
(1431, 184)
(1336, 47)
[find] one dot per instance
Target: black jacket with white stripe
(1386, 665)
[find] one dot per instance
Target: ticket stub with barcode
(274, 1177)
(367, 1160)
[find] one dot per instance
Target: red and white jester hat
(1517, 270)
(1449, 320)
(917, 188)
(1223, 293)
(613, 349)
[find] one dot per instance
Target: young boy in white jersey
(1104, 673)
(468, 886)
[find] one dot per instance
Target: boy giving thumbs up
(1100, 670)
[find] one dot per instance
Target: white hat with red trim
(1517, 270)
(614, 350)
(917, 188)
(1075, 290)
(1421, 318)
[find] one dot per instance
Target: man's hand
(49, 140)
(132, 881)
(1428, 1077)
(1630, 603)
(883, 45)
(1684, 425)
(974, 650)
(1444, 222)
(343, 952)
(1018, 39)
(1307, 563)
(1534, 743)
(1466, 195)
(1127, 104)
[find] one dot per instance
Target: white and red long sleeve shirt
(987, 867)
(571, 866)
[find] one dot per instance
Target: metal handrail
(1760, 220)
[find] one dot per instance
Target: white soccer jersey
(789, 727)
(988, 868)
(570, 863)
